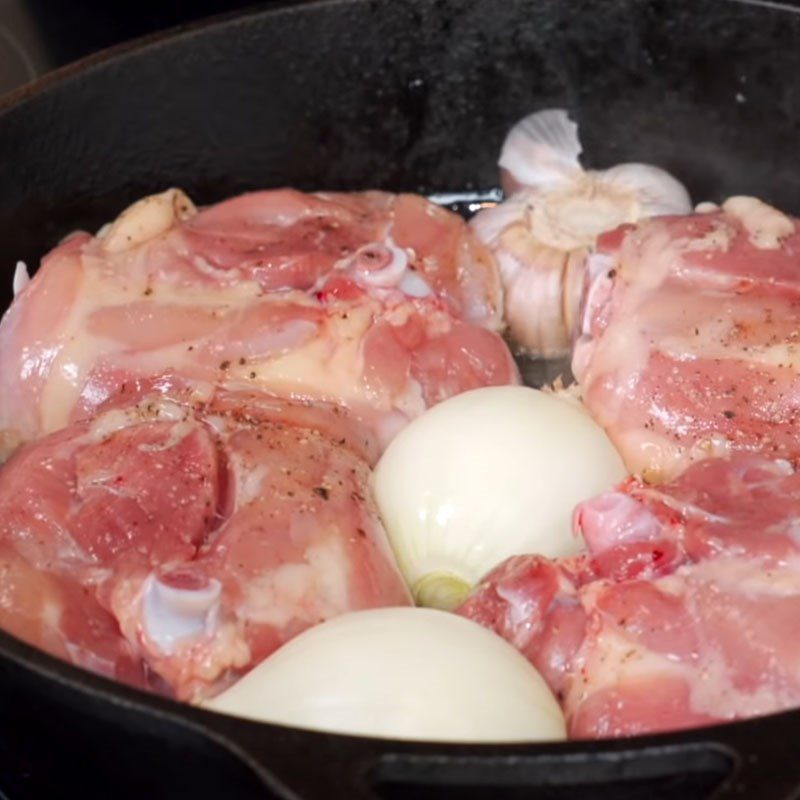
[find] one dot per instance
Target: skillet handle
(362, 770)
(694, 770)
(754, 761)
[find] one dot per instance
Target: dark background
(39, 35)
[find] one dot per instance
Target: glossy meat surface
(687, 345)
(683, 611)
(175, 549)
(382, 303)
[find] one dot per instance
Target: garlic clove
(657, 193)
(533, 274)
(572, 288)
(541, 151)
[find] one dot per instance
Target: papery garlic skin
(400, 673)
(485, 475)
(542, 150)
(551, 219)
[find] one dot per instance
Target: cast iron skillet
(412, 95)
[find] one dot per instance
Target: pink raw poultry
(688, 334)
(383, 303)
(684, 611)
(212, 388)
(163, 545)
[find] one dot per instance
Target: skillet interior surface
(402, 96)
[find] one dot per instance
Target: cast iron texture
(398, 95)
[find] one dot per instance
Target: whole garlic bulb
(401, 673)
(485, 475)
(555, 210)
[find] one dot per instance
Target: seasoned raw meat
(683, 613)
(385, 304)
(687, 346)
(57, 613)
(175, 547)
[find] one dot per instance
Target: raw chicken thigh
(382, 303)
(203, 394)
(682, 330)
(682, 327)
(684, 612)
(687, 339)
(177, 548)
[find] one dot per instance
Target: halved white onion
(485, 475)
(400, 673)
